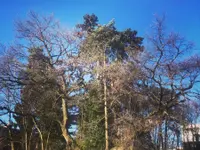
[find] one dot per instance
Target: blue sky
(182, 16)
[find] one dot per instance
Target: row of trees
(118, 93)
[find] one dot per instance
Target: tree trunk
(11, 141)
(25, 134)
(25, 141)
(166, 136)
(47, 140)
(29, 140)
(64, 124)
(105, 108)
(178, 139)
(160, 141)
(40, 135)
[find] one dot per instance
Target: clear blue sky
(183, 16)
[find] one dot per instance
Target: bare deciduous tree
(170, 77)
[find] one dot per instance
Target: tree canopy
(95, 87)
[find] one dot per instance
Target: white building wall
(190, 133)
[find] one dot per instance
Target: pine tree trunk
(106, 115)
(105, 108)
